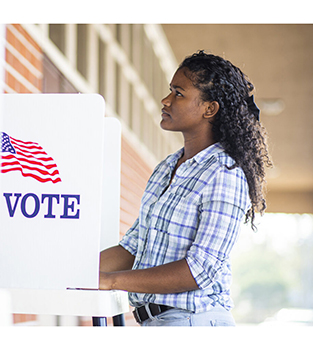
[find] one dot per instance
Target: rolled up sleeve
(130, 239)
(221, 213)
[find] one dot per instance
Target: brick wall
(23, 62)
(134, 176)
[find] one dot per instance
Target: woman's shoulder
(223, 181)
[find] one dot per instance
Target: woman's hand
(113, 259)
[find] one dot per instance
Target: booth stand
(59, 204)
(95, 303)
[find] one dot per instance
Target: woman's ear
(211, 109)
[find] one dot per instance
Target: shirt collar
(200, 157)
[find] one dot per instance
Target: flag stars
(6, 145)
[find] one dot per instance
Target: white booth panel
(59, 189)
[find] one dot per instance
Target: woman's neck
(194, 146)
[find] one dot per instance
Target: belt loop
(147, 307)
(155, 308)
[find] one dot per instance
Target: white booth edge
(96, 303)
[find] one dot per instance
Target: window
(118, 88)
(82, 49)
(53, 80)
(101, 69)
(57, 35)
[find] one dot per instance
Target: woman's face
(183, 110)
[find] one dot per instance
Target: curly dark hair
(235, 126)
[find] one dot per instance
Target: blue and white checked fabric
(198, 218)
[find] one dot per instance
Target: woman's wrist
(106, 281)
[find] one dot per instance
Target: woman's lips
(165, 114)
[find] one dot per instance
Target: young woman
(174, 260)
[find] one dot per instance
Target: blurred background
(131, 65)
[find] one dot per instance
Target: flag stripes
(29, 158)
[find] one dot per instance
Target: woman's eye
(177, 93)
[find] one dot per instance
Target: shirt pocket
(176, 217)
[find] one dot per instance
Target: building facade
(130, 65)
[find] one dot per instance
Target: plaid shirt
(197, 218)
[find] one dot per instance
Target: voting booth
(59, 203)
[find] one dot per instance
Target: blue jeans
(216, 317)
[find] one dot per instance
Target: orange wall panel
(12, 60)
(27, 36)
(134, 176)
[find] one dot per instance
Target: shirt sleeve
(130, 239)
(223, 207)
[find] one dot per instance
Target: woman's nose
(166, 101)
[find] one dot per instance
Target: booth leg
(118, 320)
(99, 321)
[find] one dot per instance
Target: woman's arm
(116, 259)
(174, 277)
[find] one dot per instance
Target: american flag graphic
(27, 157)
